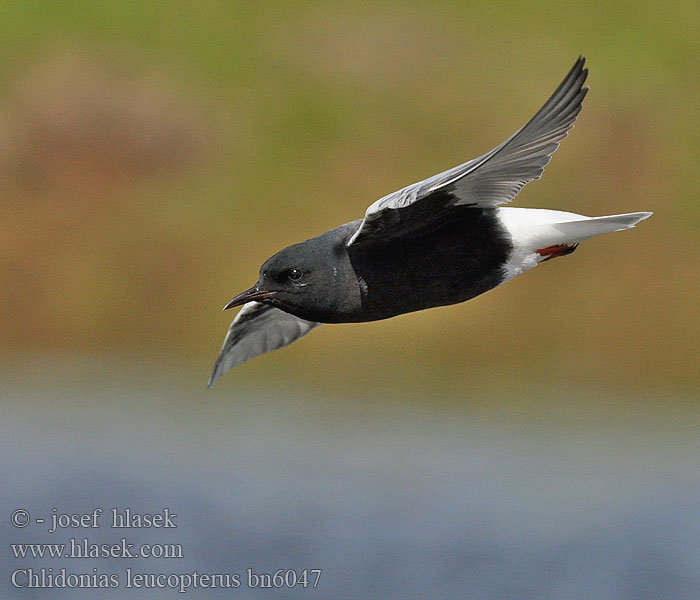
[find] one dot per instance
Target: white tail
(532, 229)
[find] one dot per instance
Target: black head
(308, 280)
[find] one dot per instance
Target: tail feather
(587, 227)
(539, 234)
(538, 228)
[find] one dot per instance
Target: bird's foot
(554, 251)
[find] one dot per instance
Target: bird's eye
(294, 274)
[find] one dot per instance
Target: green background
(154, 155)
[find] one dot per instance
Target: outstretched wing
(484, 182)
(257, 328)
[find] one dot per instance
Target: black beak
(250, 295)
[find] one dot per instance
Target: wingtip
(213, 377)
(579, 70)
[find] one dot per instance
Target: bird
(441, 241)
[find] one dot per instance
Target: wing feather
(489, 180)
(257, 328)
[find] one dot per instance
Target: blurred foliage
(153, 154)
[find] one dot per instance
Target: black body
(454, 262)
(458, 258)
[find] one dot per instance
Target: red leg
(553, 251)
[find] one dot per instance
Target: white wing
(484, 182)
(257, 329)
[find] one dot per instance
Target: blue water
(588, 497)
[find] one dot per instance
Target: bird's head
(304, 279)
